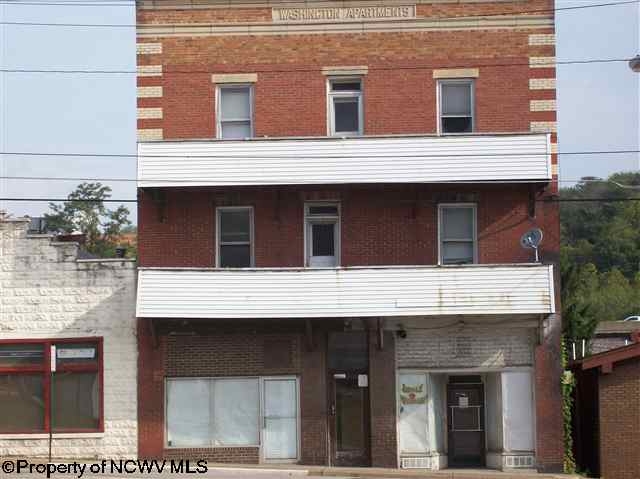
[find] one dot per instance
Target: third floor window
(234, 112)
(455, 106)
(345, 106)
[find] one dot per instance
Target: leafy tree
(600, 253)
(85, 212)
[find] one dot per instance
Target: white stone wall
(478, 347)
(47, 293)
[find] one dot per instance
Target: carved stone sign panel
(343, 14)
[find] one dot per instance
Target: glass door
(349, 424)
(280, 419)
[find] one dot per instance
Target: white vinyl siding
(234, 112)
(321, 161)
(345, 292)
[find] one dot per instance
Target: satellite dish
(531, 240)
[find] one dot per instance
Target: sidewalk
(364, 472)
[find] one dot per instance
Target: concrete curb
(362, 472)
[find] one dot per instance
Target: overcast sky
(62, 113)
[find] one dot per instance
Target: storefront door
(349, 420)
(348, 399)
(465, 418)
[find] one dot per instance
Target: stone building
(331, 201)
(80, 312)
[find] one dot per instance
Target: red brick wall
(382, 396)
(379, 225)
(620, 421)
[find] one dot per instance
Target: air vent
(415, 463)
(519, 462)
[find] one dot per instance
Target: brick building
(331, 200)
(607, 412)
(85, 309)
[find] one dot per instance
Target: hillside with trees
(600, 255)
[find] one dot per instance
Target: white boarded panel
(414, 159)
(517, 411)
(344, 292)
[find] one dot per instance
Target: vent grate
(415, 463)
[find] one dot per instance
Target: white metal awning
(363, 160)
(345, 292)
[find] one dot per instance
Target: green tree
(85, 212)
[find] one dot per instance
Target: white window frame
(261, 417)
(458, 81)
(318, 219)
(474, 207)
(219, 121)
(221, 209)
(331, 95)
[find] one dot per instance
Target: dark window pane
(15, 355)
(76, 401)
(348, 351)
(345, 86)
(456, 99)
(323, 210)
(21, 402)
(236, 130)
(77, 353)
(235, 103)
(346, 115)
(235, 226)
(350, 420)
(235, 256)
(456, 125)
(457, 252)
(323, 239)
(457, 223)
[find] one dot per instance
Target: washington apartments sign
(398, 12)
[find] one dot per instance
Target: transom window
(40, 392)
(235, 237)
(322, 234)
(345, 106)
(455, 105)
(457, 231)
(235, 111)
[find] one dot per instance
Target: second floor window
(457, 231)
(345, 106)
(322, 234)
(234, 112)
(455, 106)
(235, 237)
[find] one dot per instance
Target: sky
(598, 103)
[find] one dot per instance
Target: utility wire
(310, 157)
(167, 68)
(544, 200)
(122, 25)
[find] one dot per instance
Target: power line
(167, 5)
(62, 200)
(166, 70)
(312, 157)
(544, 200)
(484, 182)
